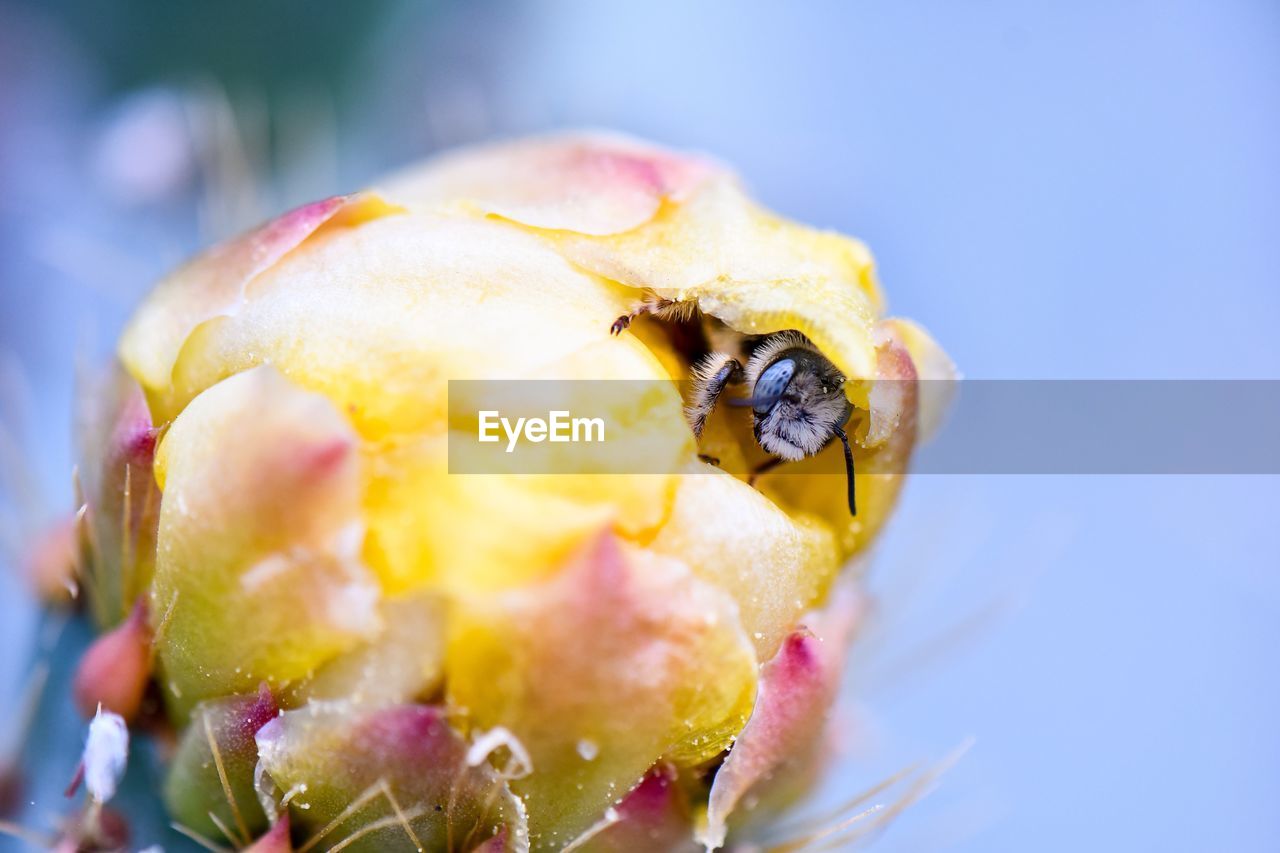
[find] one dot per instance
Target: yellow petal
(622, 659)
(775, 566)
(257, 575)
(404, 662)
(311, 533)
(469, 533)
(586, 183)
(379, 318)
(756, 272)
(429, 527)
(213, 283)
(671, 222)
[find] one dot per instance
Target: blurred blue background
(1073, 190)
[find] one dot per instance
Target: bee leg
(710, 377)
(656, 306)
(710, 460)
(623, 323)
(763, 468)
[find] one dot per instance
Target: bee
(795, 393)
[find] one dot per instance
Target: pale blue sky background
(1067, 190)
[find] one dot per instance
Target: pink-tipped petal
(787, 726)
(213, 283)
(893, 398)
(593, 184)
(938, 374)
(276, 839)
(654, 816)
(747, 267)
(622, 659)
(259, 574)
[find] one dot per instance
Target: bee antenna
(848, 470)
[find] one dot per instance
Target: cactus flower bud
(506, 661)
(210, 788)
(116, 669)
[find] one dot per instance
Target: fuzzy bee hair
(710, 376)
(813, 408)
(770, 348)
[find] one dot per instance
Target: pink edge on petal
(685, 693)
(651, 800)
(893, 396)
(262, 710)
(197, 786)
(653, 816)
(275, 840)
(595, 188)
(255, 252)
(133, 436)
(796, 689)
(321, 459)
(594, 184)
(420, 730)
(214, 282)
(224, 270)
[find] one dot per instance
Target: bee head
(797, 397)
(797, 401)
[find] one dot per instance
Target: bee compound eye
(772, 383)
